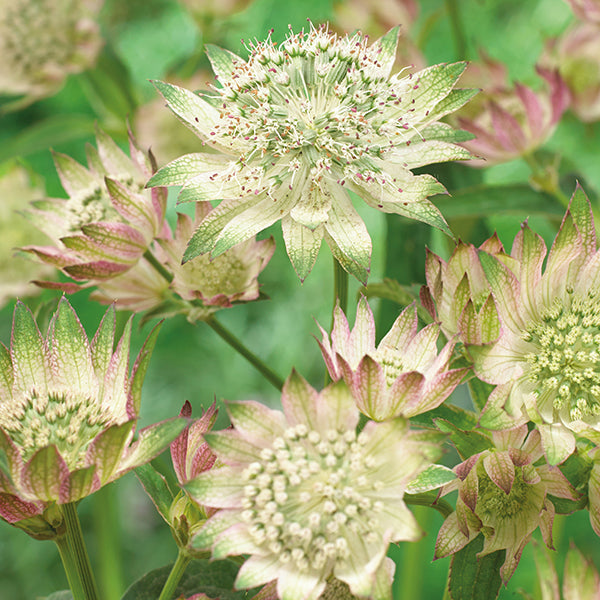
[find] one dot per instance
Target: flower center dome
(68, 422)
(307, 491)
(564, 367)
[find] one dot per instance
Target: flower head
(576, 56)
(301, 124)
(458, 295)
(580, 581)
(546, 362)
(306, 496)
(43, 41)
(586, 10)
(503, 495)
(201, 285)
(404, 375)
(17, 270)
(68, 409)
(509, 122)
(108, 221)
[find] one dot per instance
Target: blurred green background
(164, 39)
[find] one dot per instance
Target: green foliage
(473, 578)
(215, 579)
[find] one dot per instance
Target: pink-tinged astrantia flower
(43, 41)
(503, 494)
(221, 281)
(586, 10)
(108, 221)
(580, 580)
(299, 125)
(576, 55)
(458, 295)
(307, 496)
(68, 409)
(546, 362)
(199, 287)
(510, 122)
(404, 375)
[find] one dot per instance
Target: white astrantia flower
(307, 496)
(298, 126)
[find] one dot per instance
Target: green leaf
(480, 392)
(483, 201)
(467, 443)
(215, 579)
(390, 289)
(54, 131)
(472, 578)
(433, 477)
(155, 485)
(462, 418)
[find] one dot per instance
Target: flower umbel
(67, 412)
(546, 361)
(307, 496)
(43, 41)
(503, 495)
(403, 375)
(108, 221)
(301, 124)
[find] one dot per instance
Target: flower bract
(300, 125)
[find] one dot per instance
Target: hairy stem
(168, 591)
(79, 553)
(237, 345)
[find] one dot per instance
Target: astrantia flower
(230, 277)
(576, 55)
(403, 375)
(306, 496)
(43, 41)
(68, 409)
(580, 581)
(503, 495)
(509, 122)
(108, 221)
(301, 124)
(546, 361)
(17, 271)
(191, 456)
(587, 10)
(458, 295)
(199, 287)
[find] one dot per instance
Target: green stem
(460, 39)
(79, 553)
(183, 559)
(158, 266)
(108, 541)
(237, 345)
(70, 568)
(340, 286)
(443, 507)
